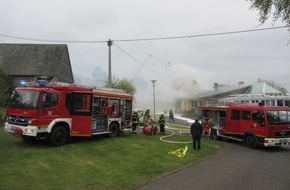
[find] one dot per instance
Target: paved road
(235, 167)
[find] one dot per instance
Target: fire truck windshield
(278, 117)
(23, 99)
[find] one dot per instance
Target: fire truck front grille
(17, 120)
(282, 134)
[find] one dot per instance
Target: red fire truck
(253, 124)
(56, 112)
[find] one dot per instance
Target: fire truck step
(99, 133)
(232, 138)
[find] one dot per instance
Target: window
(82, 102)
(235, 114)
(223, 114)
(280, 103)
(205, 113)
(257, 115)
(278, 117)
(246, 115)
(23, 99)
(49, 99)
(287, 103)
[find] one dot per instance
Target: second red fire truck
(56, 112)
(253, 124)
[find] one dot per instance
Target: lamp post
(153, 82)
(110, 43)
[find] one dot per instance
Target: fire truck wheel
(251, 141)
(58, 136)
(114, 130)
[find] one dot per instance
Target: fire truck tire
(58, 136)
(114, 128)
(251, 142)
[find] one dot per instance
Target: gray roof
(224, 92)
(51, 60)
(263, 88)
(257, 90)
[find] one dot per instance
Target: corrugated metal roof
(262, 88)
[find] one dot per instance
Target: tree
(124, 84)
(5, 84)
(279, 9)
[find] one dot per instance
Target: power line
(140, 67)
(144, 39)
(203, 35)
(54, 41)
(143, 64)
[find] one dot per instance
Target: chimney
(241, 83)
(215, 86)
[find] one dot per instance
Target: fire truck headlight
(29, 121)
(29, 130)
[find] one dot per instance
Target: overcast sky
(225, 59)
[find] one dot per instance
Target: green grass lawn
(2, 114)
(123, 162)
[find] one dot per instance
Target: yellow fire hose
(178, 152)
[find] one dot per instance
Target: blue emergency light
(23, 83)
(280, 103)
(42, 83)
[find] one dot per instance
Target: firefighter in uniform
(171, 116)
(162, 124)
(147, 117)
(135, 121)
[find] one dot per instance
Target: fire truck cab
(57, 111)
(253, 124)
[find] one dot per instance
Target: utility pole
(153, 82)
(110, 43)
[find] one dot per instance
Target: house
(258, 92)
(261, 92)
(31, 62)
(209, 97)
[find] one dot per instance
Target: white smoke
(174, 81)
